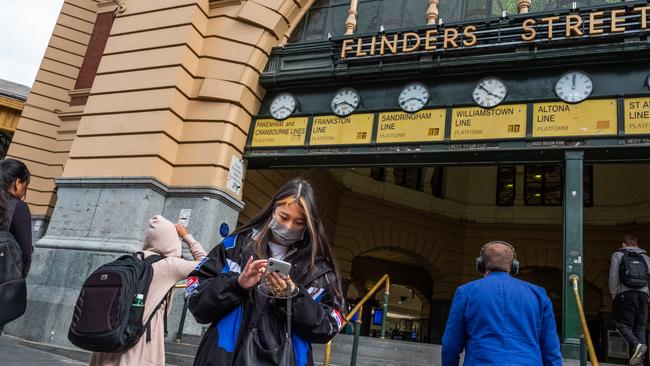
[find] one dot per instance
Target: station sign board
(351, 130)
(589, 118)
(637, 116)
(271, 132)
(427, 125)
(475, 123)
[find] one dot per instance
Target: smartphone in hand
(278, 266)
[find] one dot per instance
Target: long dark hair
(10, 171)
(298, 191)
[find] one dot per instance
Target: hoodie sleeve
(183, 267)
(212, 288)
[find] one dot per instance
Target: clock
(283, 105)
(574, 87)
(490, 92)
(345, 101)
(413, 97)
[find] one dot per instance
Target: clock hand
(487, 91)
(574, 81)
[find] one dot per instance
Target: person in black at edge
(14, 179)
(222, 290)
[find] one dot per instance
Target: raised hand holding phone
(252, 273)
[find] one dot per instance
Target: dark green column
(573, 256)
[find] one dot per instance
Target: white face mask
(284, 235)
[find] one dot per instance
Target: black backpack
(633, 270)
(13, 290)
(104, 318)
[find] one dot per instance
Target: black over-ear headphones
(514, 266)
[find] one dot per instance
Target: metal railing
(574, 279)
(384, 280)
(181, 324)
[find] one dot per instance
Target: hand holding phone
(278, 266)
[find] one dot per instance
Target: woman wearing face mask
(224, 290)
(14, 213)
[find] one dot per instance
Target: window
(506, 178)
(544, 185)
(545, 5)
(5, 141)
(437, 182)
(329, 16)
(408, 177)
(378, 174)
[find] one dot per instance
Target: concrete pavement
(14, 353)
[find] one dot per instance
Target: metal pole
(385, 313)
(355, 343)
(328, 351)
(583, 322)
(179, 334)
(573, 252)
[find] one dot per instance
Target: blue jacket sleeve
(453, 341)
(549, 341)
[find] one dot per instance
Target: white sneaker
(637, 357)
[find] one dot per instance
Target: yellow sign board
(423, 126)
(334, 130)
(589, 118)
(503, 122)
(271, 132)
(637, 116)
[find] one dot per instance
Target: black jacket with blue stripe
(214, 296)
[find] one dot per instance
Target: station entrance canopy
(529, 52)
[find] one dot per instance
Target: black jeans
(631, 315)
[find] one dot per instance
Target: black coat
(214, 296)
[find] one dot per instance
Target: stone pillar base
(95, 221)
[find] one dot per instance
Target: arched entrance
(411, 290)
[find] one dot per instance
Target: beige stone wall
(177, 88)
(173, 97)
(41, 140)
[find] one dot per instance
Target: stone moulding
(152, 184)
(219, 3)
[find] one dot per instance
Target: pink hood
(161, 238)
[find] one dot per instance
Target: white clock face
(413, 97)
(282, 106)
(490, 92)
(574, 87)
(345, 101)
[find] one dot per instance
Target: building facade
(429, 128)
(12, 101)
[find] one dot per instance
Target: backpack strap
(147, 325)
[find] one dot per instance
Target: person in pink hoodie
(161, 238)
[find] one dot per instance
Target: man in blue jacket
(500, 320)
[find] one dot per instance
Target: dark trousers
(631, 315)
